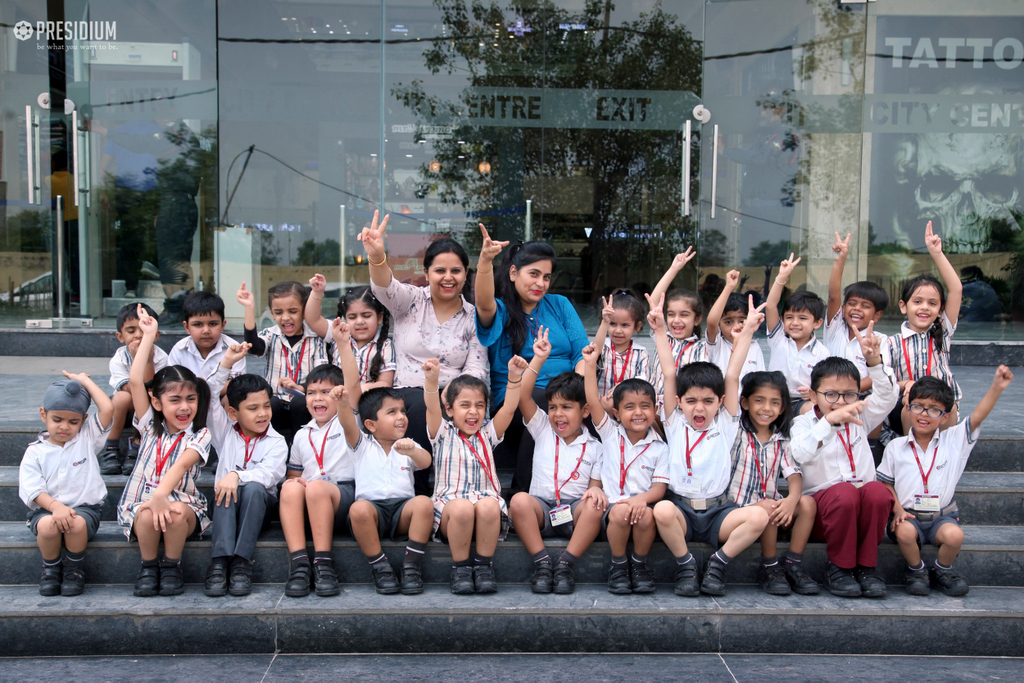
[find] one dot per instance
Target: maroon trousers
(852, 522)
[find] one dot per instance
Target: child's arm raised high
(137, 374)
(503, 418)
(590, 356)
(678, 263)
(431, 370)
(313, 313)
(786, 269)
(988, 402)
(541, 350)
(656, 319)
(740, 346)
(835, 281)
(732, 278)
(954, 288)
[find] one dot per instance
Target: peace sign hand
(607, 310)
(490, 248)
(656, 317)
(932, 241)
(787, 267)
(842, 247)
(373, 238)
(682, 259)
(870, 345)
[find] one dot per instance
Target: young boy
(727, 317)
(321, 480)
(130, 334)
(59, 480)
(831, 447)
(252, 459)
(204, 347)
(924, 510)
(854, 307)
(564, 458)
(795, 349)
(386, 504)
(701, 428)
(634, 466)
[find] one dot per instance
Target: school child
(292, 350)
(794, 348)
(633, 473)
(369, 323)
(760, 454)
(251, 462)
(854, 307)
(320, 481)
(683, 311)
(923, 509)
(830, 445)
(59, 480)
(622, 316)
(130, 334)
(386, 503)
(467, 494)
(701, 427)
(921, 347)
(160, 500)
(725, 321)
(564, 459)
(204, 347)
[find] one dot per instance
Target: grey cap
(67, 394)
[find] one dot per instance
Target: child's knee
(181, 514)
(488, 509)
(520, 502)
(950, 534)
(646, 522)
(421, 505)
(757, 516)
(319, 490)
(664, 512)
(460, 511)
(906, 533)
(292, 492)
(46, 529)
(361, 513)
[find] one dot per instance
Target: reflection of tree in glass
(313, 253)
(768, 253)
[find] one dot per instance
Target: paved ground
(539, 667)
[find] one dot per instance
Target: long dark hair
(519, 255)
(773, 380)
(935, 331)
(364, 295)
(166, 378)
(692, 299)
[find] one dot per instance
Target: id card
(148, 489)
(323, 477)
(689, 484)
(927, 503)
(856, 482)
(560, 515)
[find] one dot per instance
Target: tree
(768, 253)
(312, 253)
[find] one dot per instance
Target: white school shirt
(795, 364)
(121, 365)
(839, 343)
(645, 462)
(710, 455)
(900, 468)
(336, 454)
(720, 350)
(635, 362)
(578, 461)
(70, 474)
(380, 475)
(829, 464)
(186, 354)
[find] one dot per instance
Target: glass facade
(199, 144)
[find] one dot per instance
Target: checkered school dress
(145, 470)
(458, 472)
(756, 467)
(618, 367)
(295, 361)
(365, 355)
(684, 351)
(912, 355)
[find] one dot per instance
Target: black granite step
(107, 620)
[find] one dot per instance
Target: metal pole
(60, 256)
(341, 288)
(529, 220)
(686, 169)
(30, 155)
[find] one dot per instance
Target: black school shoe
(325, 579)
(799, 580)
(50, 580)
(641, 578)
(110, 459)
(240, 583)
(714, 577)
(565, 579)
(129, 460)
(412, 579)
(172, 582)
(484, 580)
(384, 580)
(462, 580)
(871, 584)
(840, 582)
(298, 581)
(772, 579)
(216, 579)
(917, 580)
(618, 579)
(147, 584)
(543, 577)
(74, 580)
(687, 584)
(949, 582)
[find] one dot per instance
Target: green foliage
(768, 253)
(312, 253)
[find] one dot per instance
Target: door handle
(714, 171)
(686, 168)
(30, 155)
(74, 152)
(38, 185)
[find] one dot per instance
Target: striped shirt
(795, 364)
(756, 467)
(913, 355)
(616, 367)
(464, 468)
(365, 354)
(186, 354)
(692, 349)
(186, 492)
(295, 361)
(121, 365)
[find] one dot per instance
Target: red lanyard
(161, 459)
(366, 365)
(924, 475)
(762, 475)
(689, 468)
(682, 353)
(298, 366)
(906, 356)
(248, 440)
(626, 364)
(323, 445)
(483, 461)
(848, 447)
(623, 467)
(572, 475)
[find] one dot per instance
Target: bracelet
(382, 261)
(318, 298)
(534, 371)
(428, 391)
(780, 284)
(518, 381)
(484, 272)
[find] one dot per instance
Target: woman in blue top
(510, 307)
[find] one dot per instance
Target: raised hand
(236, 352)
(517, 366)
(1002, 379)
(341, 331)
(373, 237)
(541, 345)
(431, 369)
(732, 278)
(680, 260)
(870, 345)
(607, 310)
(755, 316)
(841, 247)
(338, 393)
(245, 297)
(787, 267)
(932, 241)
(318, 283)
(490, 248)
(81, 377)
(147, 322)
(405, 446)
(590, 354)
(656, 314)
(848, 413)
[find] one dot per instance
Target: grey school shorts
(389, 513)
(348, 496)
(703, 526)
(90, 513)
(560, 531)
(925, 530)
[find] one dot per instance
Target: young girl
(292, 350)
(467, 493)
(760, 453)
(160, 500)
(921, 348)
(683, 311)
(369, 322)
(623, 316)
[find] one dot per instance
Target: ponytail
(378, 357)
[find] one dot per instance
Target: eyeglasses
(847, 396)
(919, 409)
